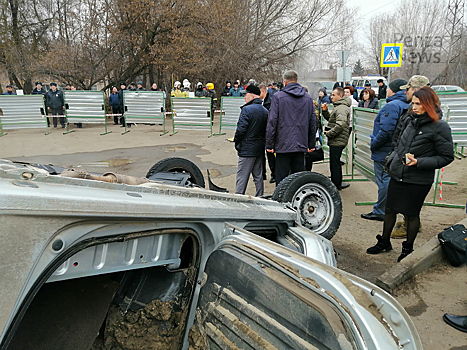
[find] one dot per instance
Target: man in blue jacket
(291, 127)
(250, 141)
(381, 138)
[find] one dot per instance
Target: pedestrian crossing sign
(391, 55)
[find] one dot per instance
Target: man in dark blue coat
(9, 90)
(250, 141)
(291, 127)
(380, 145)
(55, 104)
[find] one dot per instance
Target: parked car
(447, 88)
(360, 81)
(106, 261)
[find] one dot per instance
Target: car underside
(96, 264)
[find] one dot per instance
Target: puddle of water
(175, 149)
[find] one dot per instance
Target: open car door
(258, 295)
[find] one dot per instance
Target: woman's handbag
(316, 155)
(454, 243)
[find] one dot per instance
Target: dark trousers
(57, 111)
(335, 166)
(289, 163)
(117, 119)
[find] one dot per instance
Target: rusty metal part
(107, 177)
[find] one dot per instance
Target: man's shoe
(272, 180)
(400, 231)
(383, 244)
(343, 185)
(458, 322)
(373, 216)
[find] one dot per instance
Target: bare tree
(422, 36)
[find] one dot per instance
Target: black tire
(315, 198)
(178, 165)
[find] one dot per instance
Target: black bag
(454, 244)
(315, 156)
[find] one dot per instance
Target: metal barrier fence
(85, 107)
(191, 114)
(144, 107)
(230, 111)
(21, 112)
(456, 103)
(363, 120)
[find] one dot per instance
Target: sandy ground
(426, 298)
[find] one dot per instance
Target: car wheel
(178, 165)
(316, 200)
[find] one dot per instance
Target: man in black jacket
(38, 90)
(250, 139)
(55, 103)
(382, 90)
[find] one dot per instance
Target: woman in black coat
(368, 100)
(424, 145)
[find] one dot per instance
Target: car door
(258, 295)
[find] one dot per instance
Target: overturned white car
(91, 264)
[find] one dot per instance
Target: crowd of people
(408, 143)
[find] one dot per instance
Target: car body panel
(55, 229)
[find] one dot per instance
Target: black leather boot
(406, 250)
(458, 322)
(383, 244)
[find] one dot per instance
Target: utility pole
(452, 33)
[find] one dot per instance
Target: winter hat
(396, 85)
(323, 89)
(253, 89)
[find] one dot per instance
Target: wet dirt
(158, 326)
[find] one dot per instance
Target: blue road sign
(391, 55)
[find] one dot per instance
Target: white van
(359, 82)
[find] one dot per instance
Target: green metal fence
(22, 112)
(145, 107)
(85, 107)
(191, 114)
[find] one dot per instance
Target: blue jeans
(382, 180)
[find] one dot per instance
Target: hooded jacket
(251, 129)
(429, 142)
(292, 121)
(339, 122)
(385, 125)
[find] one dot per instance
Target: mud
(156, 327)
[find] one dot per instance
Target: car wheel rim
(315, 207)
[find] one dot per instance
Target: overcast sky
(369, 8)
